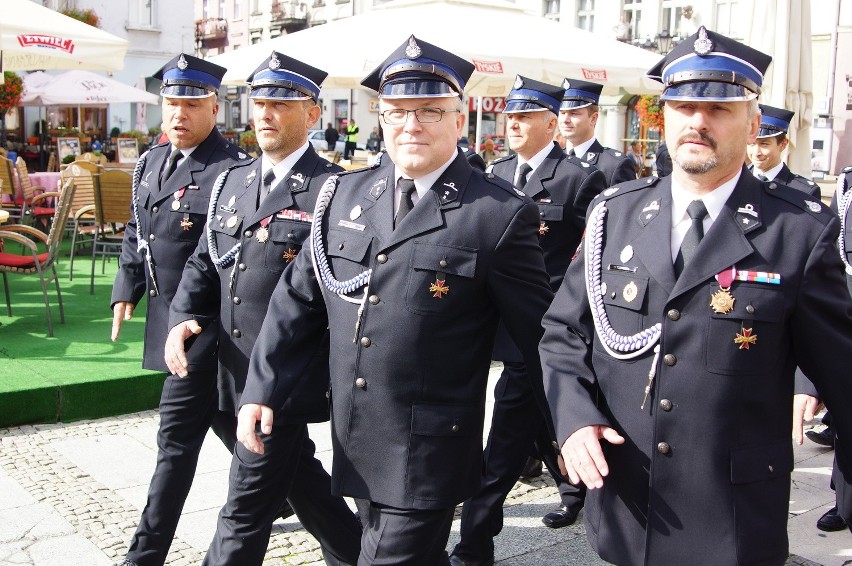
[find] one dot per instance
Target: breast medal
(722, 301)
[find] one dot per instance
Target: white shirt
(283, 166)
(771, 174)
(421, 185)
(714, 201)
(534, 161)
(581, 148)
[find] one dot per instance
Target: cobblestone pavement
(71, 494)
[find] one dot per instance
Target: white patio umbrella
(34, 37)
(80, 88)
(480, 32)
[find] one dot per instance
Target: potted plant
(10, 97)
(650, 112)
(248, 141)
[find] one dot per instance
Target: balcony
(288, 16)
(211, 33)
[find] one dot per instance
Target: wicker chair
(82, 222)
(8, 190)
(112, 211)
(31, 261)
(33, 206)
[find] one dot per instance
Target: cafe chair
(32, 261)
(112, 211)
(8, 190)
(81, 222)
(51, 163)
(33, 206)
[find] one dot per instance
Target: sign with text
(489, 104)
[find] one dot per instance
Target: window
(238, 9)
(672, 16)
(222, 9)
(205, 9)
(728, 19)
(632, 10)
(141, 13)
(551, 9)
(586, 15)
(255, 6)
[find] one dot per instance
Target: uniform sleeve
(520, 287)
(570, 384)
(198, 296)
(624, 172)
(129, 284)
(295, 322)
(591, 187)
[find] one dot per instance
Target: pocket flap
(225, 225)
(193, 201)
(625, 290)
(755, 301)
(444, 420)
(550, 211)
(348, 245)
(444, 259)
(288, 231)
(761, 463)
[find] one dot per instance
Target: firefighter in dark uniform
(171, 190)
(257, 223)
(412, 263)
(677, 330)
(578, 115)
(765, 153)
(562, 187)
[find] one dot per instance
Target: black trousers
(404, 537)
(188, 408)
(259, 483)
(517, 428)
(349, 149)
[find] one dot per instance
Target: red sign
(593, 75)
(489, 104)
(490, 67)
(50, 41)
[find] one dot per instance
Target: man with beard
(669, 351)
(258, 219)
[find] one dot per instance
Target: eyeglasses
(396, 116)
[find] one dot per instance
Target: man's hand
(805, 408)
(246, 422)
(121, 311)
(583, 458)
(174, 353)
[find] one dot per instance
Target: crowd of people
(659, 335)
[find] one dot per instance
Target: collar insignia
(450, 193)
(378, 187)
(250, 177)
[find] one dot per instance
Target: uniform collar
(424, 183)
(771, 174)
(714, 201)
(537, 159)
(283, 166)
(581, 148)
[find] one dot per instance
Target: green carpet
(78, 373)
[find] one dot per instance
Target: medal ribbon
(179, 193)
(265, 221)
(725, 278)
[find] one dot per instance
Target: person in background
(351, 139)
(578, 115)
(635, 153)
(172, 184)
(374, 142)
(488, 154)
(765, 153)
(669, 352)
(662, 160)
(331, 136)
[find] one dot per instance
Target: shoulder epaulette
(798, 199)
(616, 153)
(579, 162)
(503, 184)
(247, 163)
(502, 159)
(235, 151)
(628, 187)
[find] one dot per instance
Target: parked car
(317, 139)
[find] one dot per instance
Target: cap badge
(274, 63)
(182, 64)
(703, 45)
(518, 83)
(566, 84)
(413, 50)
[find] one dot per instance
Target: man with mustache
(669, 352)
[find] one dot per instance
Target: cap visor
(706, 91)
(416, 88)
(768, 132)
(278, 93)
(185, 91)
(574, 104)
(513, 106)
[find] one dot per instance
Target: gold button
(663, 448)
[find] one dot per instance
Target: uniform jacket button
(237, 300)
(673, 314)
(236, 333)
(666, 405)
(456, 428)
(152, 292)
(382, 258)
(186, 206)
(366, 342)
(155, 209)
(670, 359)
(663, 448)
(242, 267)
(291, 235)
(247, 233)
(374, 299)
(443, 263)
(153, 237)
(340, 247)
(750, 309)
(360, 383)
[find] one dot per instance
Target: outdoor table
(50, 181)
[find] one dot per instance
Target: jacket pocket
(624, 298)
(187, 222)
(286, 238)
(440, 278)
(444, 452)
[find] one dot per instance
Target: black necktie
(172, 164)
(696, 211)
(266, 187)
(763, 178)
(571, 153)
(523, 171)
(406, 186)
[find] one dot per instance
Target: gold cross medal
(289, 255)
(439, 288)
(745, 338)
(262, 233)
(543, 229)
(186, 223)
(722, 301)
